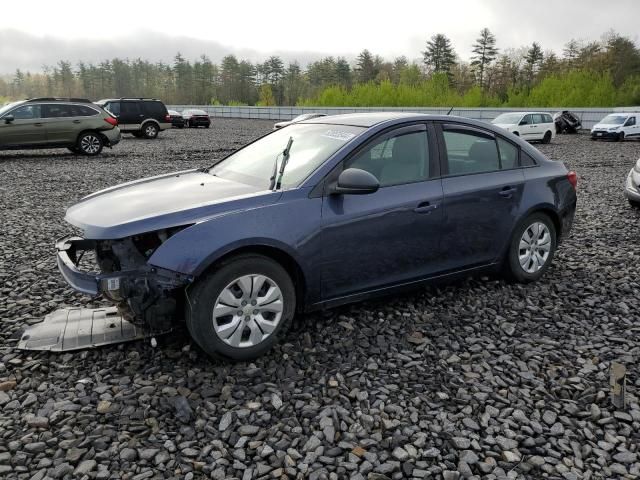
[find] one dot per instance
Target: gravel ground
(475, 379)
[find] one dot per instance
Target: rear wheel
(546, 138)
(532, 249)
(239, 311)
(150, 130)
(90, 143)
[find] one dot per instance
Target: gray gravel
(475, 379)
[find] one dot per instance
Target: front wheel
(150, 130)
(532, 248)
(239, 311)
(90, 143)
(547, 138)
(620, 137)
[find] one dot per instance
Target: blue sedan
(328, 211)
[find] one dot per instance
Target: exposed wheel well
(557, 223)
(283, 258)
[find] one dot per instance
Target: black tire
(137, 134)
(547, 138)
(75, 150)
(150, 130)
(620, 137)
(90, 144)
(207, 126)
(513, 270)
(202, 297)
(187, 124)
(633, 203)
(517, 134)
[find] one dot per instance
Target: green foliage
(266, 96)
(235, 103)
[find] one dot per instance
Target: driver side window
(395, 160)
(26, 112)
(630, 122)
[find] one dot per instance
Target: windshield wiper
(276, 178)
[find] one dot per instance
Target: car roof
(371, 119)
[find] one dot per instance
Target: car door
(483, 188)
(631, 127)
(26, 128)
(390, 236)
(527, 127)
(61, 122)
(131, 115)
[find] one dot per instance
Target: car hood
(506, 126)
(605, 126)
(175, 199)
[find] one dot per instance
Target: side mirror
(9, 119)
(354, 181)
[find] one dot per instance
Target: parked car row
(85, 127)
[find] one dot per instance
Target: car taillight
(111, 121)
(573, 179)
(167, 118)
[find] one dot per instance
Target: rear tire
(90, 144)
(532, 249)
(150, 130)
(137, 134)
(547, 138)
(247, 323)
(634, 204)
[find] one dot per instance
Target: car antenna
(283, 164)
(450, 110)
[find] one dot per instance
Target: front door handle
(507, 192)
(425, 207)
(76, 121)
(37, 124)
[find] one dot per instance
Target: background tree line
(587, 73)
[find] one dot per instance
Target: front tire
(620, 137)
(547, 138)
(532, 249)
(90, 143)
(239, 311)
(150, 131)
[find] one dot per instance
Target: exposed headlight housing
(613, 129)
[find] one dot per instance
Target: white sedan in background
(537, 126)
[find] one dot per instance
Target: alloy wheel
(534, 247)
(90, 144)
(150, 131)
(247, 311)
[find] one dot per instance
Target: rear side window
(128, 108)
(547, 118)
(395, 160)
(26, 112)
(155, 109)
(84, 111)
(539, 118)
(58, 111)
(508, 154)
(469, 153)
(630, 122)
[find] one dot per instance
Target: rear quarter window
(526, 160)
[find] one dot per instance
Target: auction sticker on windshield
(338, 135)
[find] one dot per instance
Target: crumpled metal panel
(70, 329)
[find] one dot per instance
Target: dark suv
(73, 123)
(142, 117)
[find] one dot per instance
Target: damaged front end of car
(145, 295)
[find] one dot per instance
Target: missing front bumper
(70, 329)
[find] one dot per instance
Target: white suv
(528, 125)
(617, 126)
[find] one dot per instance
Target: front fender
(290, 225)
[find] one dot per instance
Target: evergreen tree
(485, 52)
(439, 55)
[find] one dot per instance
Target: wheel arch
(283, 258)
(88, 130)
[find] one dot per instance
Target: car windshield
(508, 118)
(614, 119)
(8, 106)
(312, 145)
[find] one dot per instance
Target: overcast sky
(38, 32)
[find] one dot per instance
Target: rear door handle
(37, 124)
(76, 121)
(425, 207)
(507, 192)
